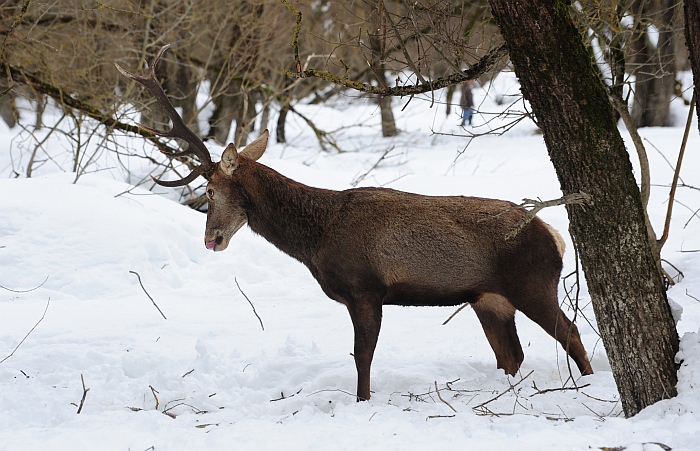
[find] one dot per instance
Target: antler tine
(182, 182)
(179, 129)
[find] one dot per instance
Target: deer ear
(229, 160)
(256, 149)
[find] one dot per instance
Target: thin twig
(17, 21)
(322, 136)
(680, 274)
(659, 444)
(26, 291)
(441, 399)
(175, 403)
(251, 304)
(149, 296)
(154, 391)
(30, 331)
(547, 390)
(85, 390)
(690, 295)
(282, 396)
(676, 173)
(455, 313)
(623, 448)
(595, 398)
(332, 390)
(511, 388)
(179, 403)
(537, 205)
(361, 177)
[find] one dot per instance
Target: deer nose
(212, 244)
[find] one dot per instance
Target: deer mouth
(211, 245)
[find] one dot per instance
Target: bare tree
(653, 60)
(639, 41)
(378, 18)
(381, 47)
(66, 49)
(575, 115)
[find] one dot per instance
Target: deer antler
(179, 130)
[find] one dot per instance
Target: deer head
(225, 215)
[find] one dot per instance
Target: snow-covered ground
(210, 377)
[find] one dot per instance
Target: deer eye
(210, 194)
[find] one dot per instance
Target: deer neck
(288, 214)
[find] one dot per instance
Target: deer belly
(414, 294)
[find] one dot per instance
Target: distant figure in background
(467, 103)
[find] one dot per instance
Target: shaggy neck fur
(288, 214)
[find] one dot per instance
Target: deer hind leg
(366, 320)
(497, 317)
(544, 310)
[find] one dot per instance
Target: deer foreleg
(366, 320)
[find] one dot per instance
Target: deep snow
(227, 384)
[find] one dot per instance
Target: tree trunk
(281, 123)
(377, 38)
(655, 64)
(691, 10)
(8, 112)
(387, 114)
(576, 118)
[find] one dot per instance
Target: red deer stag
(370, 247)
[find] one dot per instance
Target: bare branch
(251, 304)
(85, 390)
(155, 395)
(441, 399)
(28, 333)
(455, 312)
(548, 390)
(8, 33)
(26, 291)
(361, 177)
(323, 136)
(65, 99)
(481, 408)
(475, 71)
(677, 172)
(282, 396)
(537, 205)
(149, 296)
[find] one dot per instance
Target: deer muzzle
(211, 245)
